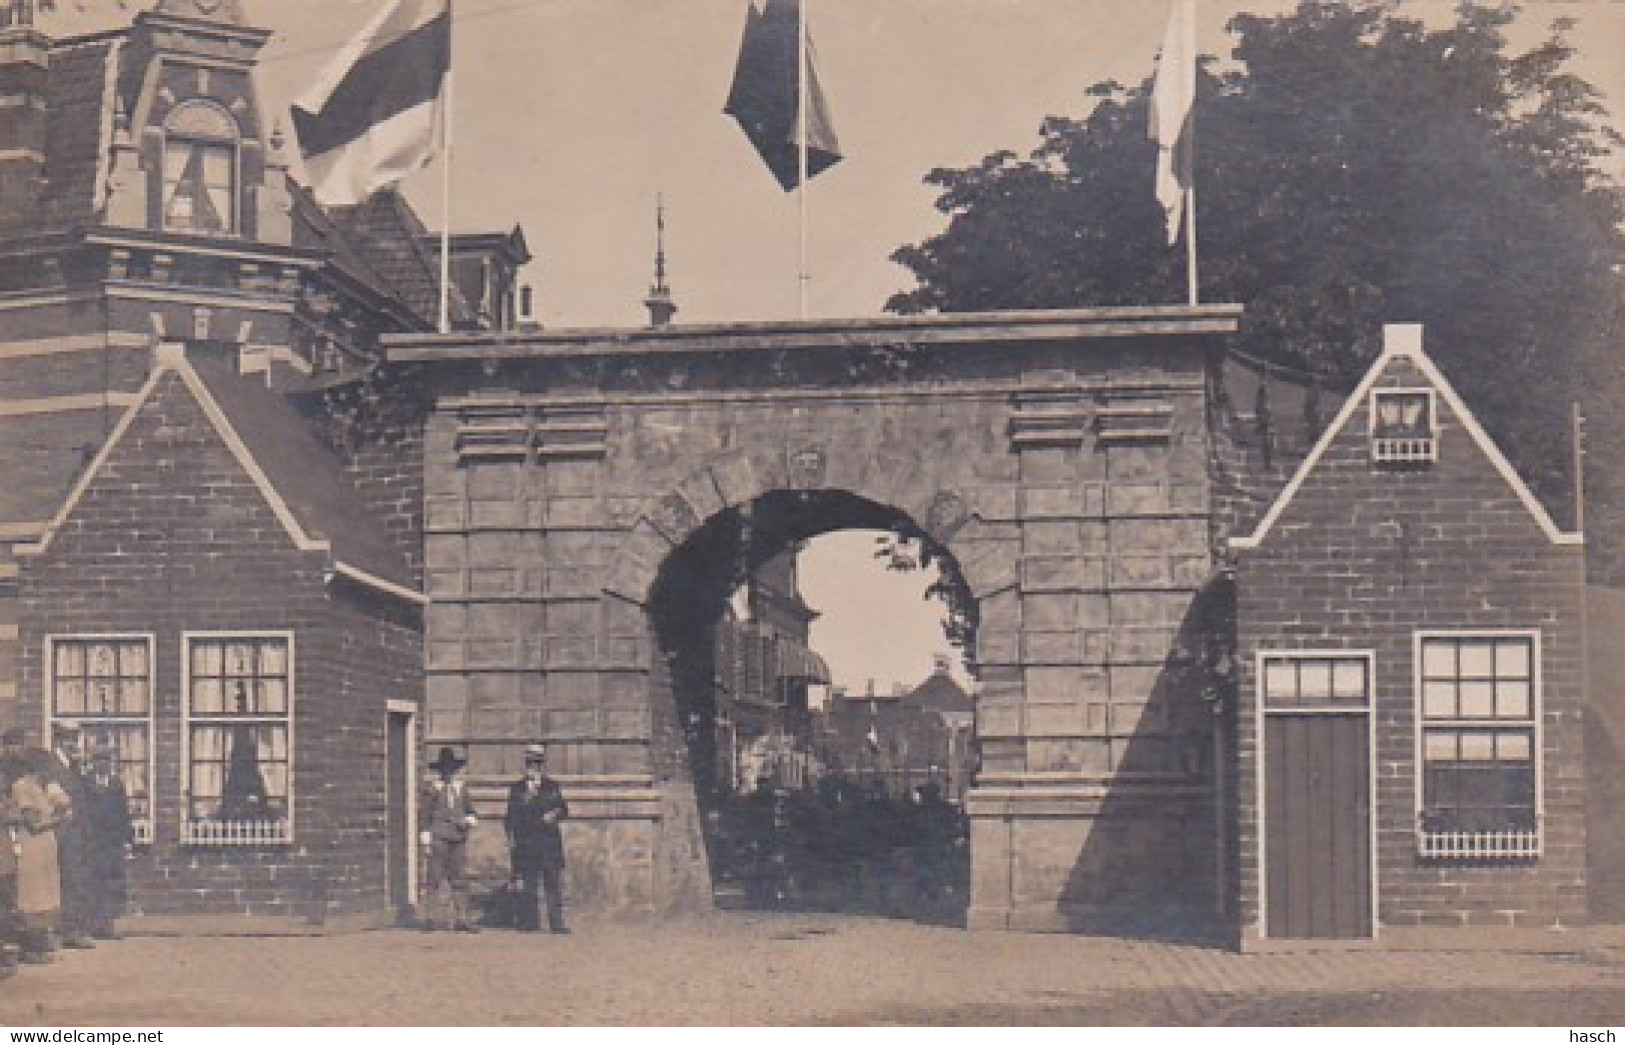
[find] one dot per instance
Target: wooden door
(1317, 849)
(401, 851)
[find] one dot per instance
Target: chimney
(25, 62)
(527, 309)
(1402, 339)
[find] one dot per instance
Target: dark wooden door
(398, 805)
(1317, 847)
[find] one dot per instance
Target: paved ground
(733, 969)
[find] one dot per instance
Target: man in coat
(536, 846)
(11, 925)
(109, 836)
(447, 813)
(73, 841)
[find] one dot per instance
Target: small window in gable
(200, 170)
(1404, 428)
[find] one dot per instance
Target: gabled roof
(314, 227)
(942, 693)
(302, 483)
(1404, 341)
(387, 234)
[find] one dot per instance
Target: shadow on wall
(1149, 863)
(1605, 758)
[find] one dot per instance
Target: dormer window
(1404, 427)
(200, 170)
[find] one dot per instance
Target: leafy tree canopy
(1353, 166)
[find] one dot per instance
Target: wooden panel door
(401, 837)
(1317, 848)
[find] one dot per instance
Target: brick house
(1410, 649)
(214, 599)
(211, 497)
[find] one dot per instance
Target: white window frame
(143, 825)
(1404, 451)
(1483, 845)
(172, 133)
(196, 832)
(1368, 709)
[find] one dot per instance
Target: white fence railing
(236, 832)
(1479, 845)
(1404, 451)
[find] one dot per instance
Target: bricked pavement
(788, 969)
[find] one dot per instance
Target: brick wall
(376, 425)
(172, 536)
(1362, 559)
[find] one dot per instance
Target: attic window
(1404, 428)
(200, 170)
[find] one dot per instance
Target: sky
(572, 116)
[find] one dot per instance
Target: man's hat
(447, 760)
(535, 752)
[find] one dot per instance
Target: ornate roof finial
(278, 142)
(659, 303)
(227, 11)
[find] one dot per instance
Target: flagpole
(445, 194)
(1190, 152)
(803, 276)
(1190, 243)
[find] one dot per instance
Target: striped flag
(372, 116)
(1173, 98)
(767, 92)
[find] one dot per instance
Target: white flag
(1173, 98)
(371, 117)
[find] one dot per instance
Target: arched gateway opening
(834, 801)
(585, 492)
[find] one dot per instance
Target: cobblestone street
(732, 969)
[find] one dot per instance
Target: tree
(1353, 167)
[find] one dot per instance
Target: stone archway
(1061, 457)
(828, 802)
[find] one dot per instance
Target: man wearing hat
(73, 842)
(535, 844)
(448, 816)
(111, 834)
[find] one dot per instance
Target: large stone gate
(1061, 458)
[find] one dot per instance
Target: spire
(659, 303)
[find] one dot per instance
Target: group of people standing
(65, 835)
(535, 809)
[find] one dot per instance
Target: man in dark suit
(110, 833)
(73, 841)
(447, 813)
(535, 843)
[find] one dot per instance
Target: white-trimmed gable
(170, 360)
(1404, 341)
